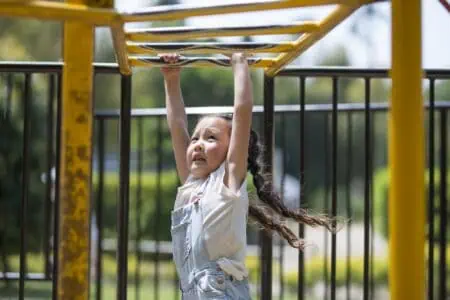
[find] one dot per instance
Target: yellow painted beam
(76, 148)
(180, 33)
(119, 41)
(100, 3)
(196, 62)
(307, 40)
(174, 12)
(58, 11)
(209, 48)
(406, 156)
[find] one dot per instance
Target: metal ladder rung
(209, 48)
(181, 11)
(179, 33)
(155, 61)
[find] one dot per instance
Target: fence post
(266, 240)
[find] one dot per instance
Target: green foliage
(30, 39)
(380, 192)
(443, 90)
(314, 269)
(381, 188)
(314, 272)
(11, 187)
(150, 224)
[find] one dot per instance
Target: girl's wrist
(238, 60)
(172, 78)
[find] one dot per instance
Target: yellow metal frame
(58, 11)
(406, 133)
(76, 157)
(142, 35)
(406, 156)
(129, 54)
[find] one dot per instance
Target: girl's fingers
(169, 57)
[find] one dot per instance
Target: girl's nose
(198, 146)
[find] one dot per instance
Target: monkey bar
(165, 34)
(130, 53)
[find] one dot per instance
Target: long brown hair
(270, 215)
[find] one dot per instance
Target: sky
(435, 32)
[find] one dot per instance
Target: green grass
(43, 290)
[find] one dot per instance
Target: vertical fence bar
(9, 90)
(266, 240)
(7, 115)
(302, 202)
(260, 234)
(348, 198)
(99, 216)
(25, 181)
(158, 206)
(367, 162)
(325, 205)
(56, 204)
(124, 186)
(334, 120)
(137, 273)
(175, 278)
(431, 193)
(283, 178)
(443, 212)
(48, 176)
(371, 209)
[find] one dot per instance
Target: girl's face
(208, 147)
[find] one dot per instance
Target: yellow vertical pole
(73, 268)
(406, 156)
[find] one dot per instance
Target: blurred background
(361, 41)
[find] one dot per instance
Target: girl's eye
(194, 139)
(212, 138)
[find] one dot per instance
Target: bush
(381, 189)
(151, 226)
(314, 272)
(11, 186)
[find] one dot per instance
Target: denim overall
(200, 278)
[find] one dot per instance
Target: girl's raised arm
(241, 124)
(176, 115)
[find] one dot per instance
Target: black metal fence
(334, 161)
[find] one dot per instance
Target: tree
(37, 40)
(365, 23)
(11, 187)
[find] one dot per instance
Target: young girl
(211, 208)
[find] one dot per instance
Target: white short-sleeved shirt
(224, 214)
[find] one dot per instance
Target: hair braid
(270, 224)
(266, 194)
